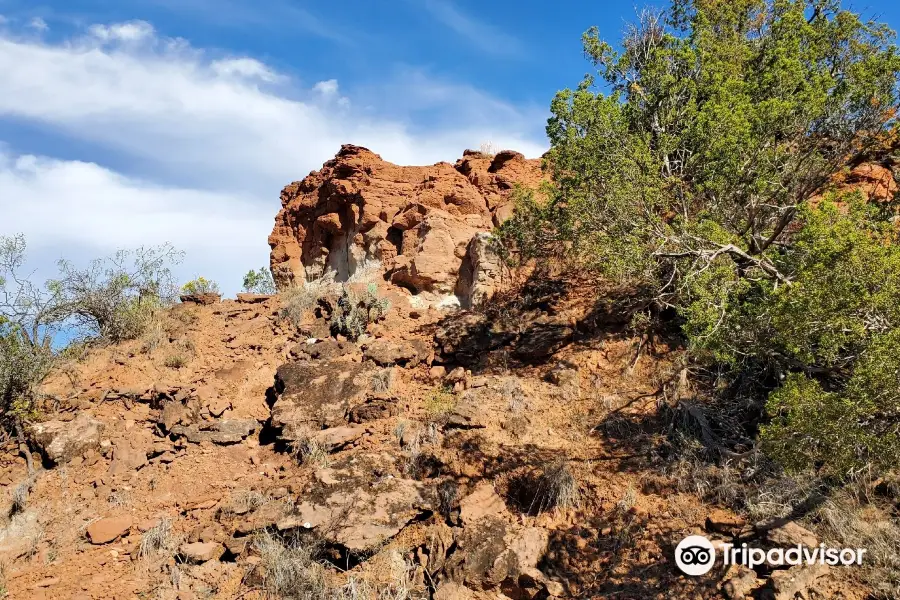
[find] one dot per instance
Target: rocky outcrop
(415, 222)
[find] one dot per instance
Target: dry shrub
(159, 540)
(311, 451)
(175, 361)
(290, 569)
(555, 487)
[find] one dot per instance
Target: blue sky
(129, 122)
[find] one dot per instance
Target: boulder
(108, 529)
(491, 551)
(62, 441)
(482, 502)
(453, 591)
(312, 396)
(246, 298)
(791, 534)
(740, 582)
(796, 582)
(387, 352)
(542, 339)
(415, 223)
(358, 509)
(373, 409)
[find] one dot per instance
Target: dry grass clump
(855, 518)
(175, 361)
(382, 380)
(159, 540)
(246, 501)
(291, 569)
(299, 300)
(555, 488)
(19, 497)
(311, 451)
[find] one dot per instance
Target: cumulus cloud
(201, 143)
(68, 207)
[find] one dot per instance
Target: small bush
(439, 402)
(23, 367)
(200, 286)
(259, 282)
(299, 300)
(353, 313)
(116, 298)
(175, 361)
(20, 497)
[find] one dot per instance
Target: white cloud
(327, 88)
(71, 208)
(38, 24)
(131, 31)
(244, 67)
(205, 146)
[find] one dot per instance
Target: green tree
(259, 282)
(692, 166)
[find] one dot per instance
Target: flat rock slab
(482, 502)
(387, 352)
(201, 552)
(225, 431)
(109, 529)
(357, 510)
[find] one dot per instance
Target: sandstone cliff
(416, 223)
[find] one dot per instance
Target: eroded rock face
(417, 222)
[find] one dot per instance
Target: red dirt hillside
(273, 447)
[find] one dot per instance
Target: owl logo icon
(695, 555)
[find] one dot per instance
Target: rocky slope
(509, 452)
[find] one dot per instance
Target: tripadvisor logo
(695, 555)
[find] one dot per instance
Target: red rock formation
(416, 221)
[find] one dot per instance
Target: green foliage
(353, 313)
(23, 367)
(689, 173)
(715, 121)
(200, 286)
(115, 298)
(259, 282)
(110, 300)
